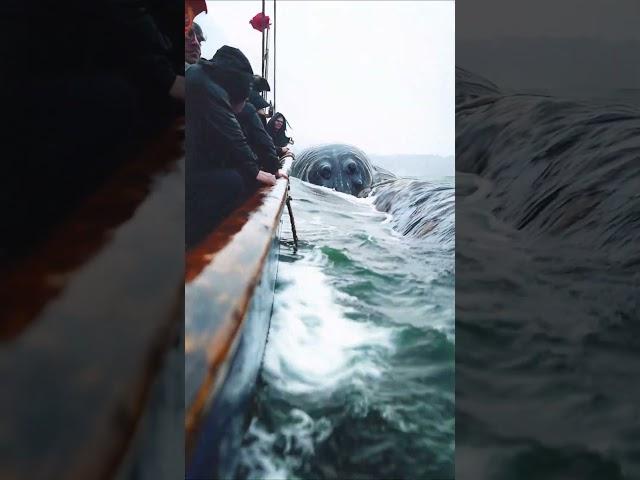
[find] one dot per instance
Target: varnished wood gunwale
(244, 240)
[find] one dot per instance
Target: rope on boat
(292, 220)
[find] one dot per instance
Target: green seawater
(358, 374)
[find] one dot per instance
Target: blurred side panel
(92, 244)
(547, 235)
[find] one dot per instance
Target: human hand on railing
(266, 178)
(282, 174)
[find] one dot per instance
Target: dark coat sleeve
(224, 121)
(259, 140)
(214, 138)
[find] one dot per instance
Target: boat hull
(229, 291)
(216, 451)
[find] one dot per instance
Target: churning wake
(358, 369)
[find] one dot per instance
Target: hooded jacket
(257, 101)
(214, 137)
(258, 138)
(279, 137)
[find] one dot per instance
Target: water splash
(313, 344)
(358, 370)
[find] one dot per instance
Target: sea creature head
(341, 167)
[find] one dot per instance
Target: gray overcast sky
(377, 74)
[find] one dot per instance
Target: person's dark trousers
(210, 197)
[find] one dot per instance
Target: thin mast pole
(266, 57)
(275, 50)
(262, 59)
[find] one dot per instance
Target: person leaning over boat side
(277, 128)
(221, 87)
(259, 140)
(260, 84)
(221, 168)
(260, 105)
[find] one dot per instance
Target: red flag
(260, 22)
(191, 10)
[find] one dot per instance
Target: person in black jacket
(258, 138)
(277, 128)
(261, 106)
(260, 84)
(221, 167)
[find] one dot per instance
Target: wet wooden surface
(87, 320)
(220, 282)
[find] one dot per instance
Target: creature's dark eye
(351, 167)
(325, 171)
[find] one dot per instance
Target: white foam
(256, 457)
(313, 345)
(299, 434)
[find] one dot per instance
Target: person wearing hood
(221, 168)
(277, 128)
(258, 138)
(261, 106)
(260, 84)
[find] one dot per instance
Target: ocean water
(358, 374)
(547, 285)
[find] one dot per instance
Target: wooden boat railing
(222, 280)
(89, 319)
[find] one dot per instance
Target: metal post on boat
(274, 55)
(266, 56)
(292, 220)
(262, 65)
